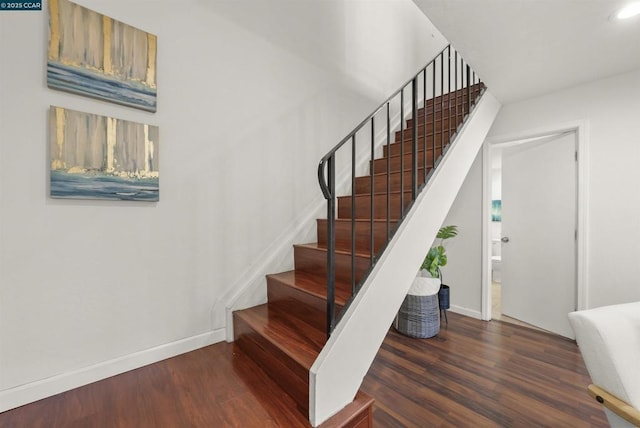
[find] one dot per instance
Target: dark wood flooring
(473, 374)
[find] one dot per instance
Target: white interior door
(539, 195)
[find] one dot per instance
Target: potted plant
(437, 258)
(419, 315)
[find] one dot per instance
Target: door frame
(491, 144)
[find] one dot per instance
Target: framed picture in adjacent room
(496, 210)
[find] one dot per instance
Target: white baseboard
(33, 391)
(466, 311)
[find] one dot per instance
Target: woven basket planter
(419, 315)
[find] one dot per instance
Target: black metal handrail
(433, 96)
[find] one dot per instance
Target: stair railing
(447, 79)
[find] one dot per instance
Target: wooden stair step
(363, 205)
(283, 346)
(406, 146)
(311, 258)
(444, 117)
(300, 341)
(458, 97)
(441, 124)
(357, 414)
(441, 138)
(442, 103)
(343, 231)
(397, 163)
(363, 184)
(474, 90)
(303, 289)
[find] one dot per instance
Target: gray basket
(419, 316)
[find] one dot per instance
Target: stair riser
(363, 235)
(443, 104)
(461, 102)
(314, 261)
(305, 306)
(363, 206)
(363, 184)
(396, 164)
(291, 376)
(430, 119)
(407, 130)
(408, 140)
(407, 146)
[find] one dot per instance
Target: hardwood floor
(473, 374)
(481, 374)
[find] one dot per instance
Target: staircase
(285, 335)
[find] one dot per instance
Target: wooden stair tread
(395, 180)
(352, 415)
(313, 284)
(380, 175)
(364, 220)
(406, 154)
(298, 340)
(315, 246)
(367, 195)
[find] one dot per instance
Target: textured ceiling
(526, 48)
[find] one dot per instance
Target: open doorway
(496, 242)
(524, 283)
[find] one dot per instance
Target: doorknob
(505, 239)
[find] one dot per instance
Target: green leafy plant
(436, 256)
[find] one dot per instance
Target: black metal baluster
(433, 124)
(424, 125)
(456, 89)
(373, 187)
(468, 89)
(388, 173)
(414, 140)
(331, 244)
(441, 105)
(402, 153)
(449, 97)
(353, 214)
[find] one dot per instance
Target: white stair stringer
(337, 373)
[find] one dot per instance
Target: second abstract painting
(99, 157)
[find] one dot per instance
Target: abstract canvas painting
(94, 55)
(99, 157)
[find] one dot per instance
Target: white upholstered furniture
(609, 340)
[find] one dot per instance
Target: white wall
(463, 272)
(246, 108)
(610, 109)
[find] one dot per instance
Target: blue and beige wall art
(94, 55)
(99, 157)
(496, 210)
